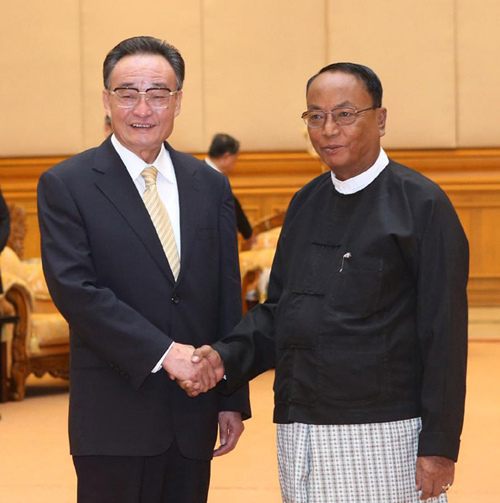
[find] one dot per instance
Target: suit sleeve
(442, 262)
(4, 222)
(116, 333)
(242, 223)
(230, 294)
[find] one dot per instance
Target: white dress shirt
(211, 164)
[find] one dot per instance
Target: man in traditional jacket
(366, 317)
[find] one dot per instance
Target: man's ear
(105, 102)
(178, 100)
(381, 118)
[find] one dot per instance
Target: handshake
(195, 370)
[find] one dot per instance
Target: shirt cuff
(159, 365)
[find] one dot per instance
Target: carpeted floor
(35, 466)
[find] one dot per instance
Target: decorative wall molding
(265, 182)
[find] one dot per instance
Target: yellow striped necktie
(160, 219)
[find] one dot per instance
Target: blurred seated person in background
(222, 156)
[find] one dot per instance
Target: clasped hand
(195, 370)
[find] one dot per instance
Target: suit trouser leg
(167, 478)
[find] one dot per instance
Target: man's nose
(330, 127)
(142, 106)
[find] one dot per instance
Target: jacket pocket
(352, 369)
(359, 286)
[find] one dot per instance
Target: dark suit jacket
(110, 279)
(4, 227)
(242, 224)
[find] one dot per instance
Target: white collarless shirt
(359, 182)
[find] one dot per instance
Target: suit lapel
(115, 183)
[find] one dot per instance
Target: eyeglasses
(344, 116)
(128, 97)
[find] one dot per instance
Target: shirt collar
(359, 182)
(135, 165)
(211, 164)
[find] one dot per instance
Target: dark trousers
(167, 478)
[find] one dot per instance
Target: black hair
(222, 144)
(363, 73)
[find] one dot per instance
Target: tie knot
(149, 175)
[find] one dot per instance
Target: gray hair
(144, 45)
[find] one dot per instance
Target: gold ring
(446, 487)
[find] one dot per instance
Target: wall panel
(265, 183)
(247, 63)
(257, 59)
(410, 45)
(40, 88)
(478, 80)
(104, 24)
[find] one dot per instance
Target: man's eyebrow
(155, 85)
(159, 86)
(127, 84)
(343, 104)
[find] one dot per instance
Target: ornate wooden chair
(39, 342)
(255, 263)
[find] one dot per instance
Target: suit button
(175, 299)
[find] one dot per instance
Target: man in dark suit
(139, 251)
(366, 316)
(222, 156)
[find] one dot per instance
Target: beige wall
(247, 64)
(478, 102)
